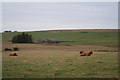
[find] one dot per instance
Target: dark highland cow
(16, 49)
(7, 49)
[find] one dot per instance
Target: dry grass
(58, 61)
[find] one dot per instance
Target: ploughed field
(62, 60)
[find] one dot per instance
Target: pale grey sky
(60, 0)
(30, 16)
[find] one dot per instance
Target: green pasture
(89, 38)
(61, 61)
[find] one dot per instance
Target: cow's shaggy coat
(82, 53)
(12, 54)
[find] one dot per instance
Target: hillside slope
(106, 38)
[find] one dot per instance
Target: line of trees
(10, 31)
(22, 38)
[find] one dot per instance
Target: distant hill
(82, 30)
(104, 37)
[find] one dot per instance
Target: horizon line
(55, 30)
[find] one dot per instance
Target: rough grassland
(58, 61)
(80, 38)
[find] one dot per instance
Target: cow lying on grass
(7, 49)
(14, 49)
(82, 53)
(12, 54)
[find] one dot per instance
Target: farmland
(80, 38)
(59, 60)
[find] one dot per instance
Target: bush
(7, 31)
(84, 32)
(16, 49)
(22, 38)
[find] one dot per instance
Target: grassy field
(80, 38)
(60, 60)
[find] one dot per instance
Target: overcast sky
(30, 16)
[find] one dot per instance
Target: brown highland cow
(82, 53)
(12, 54)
